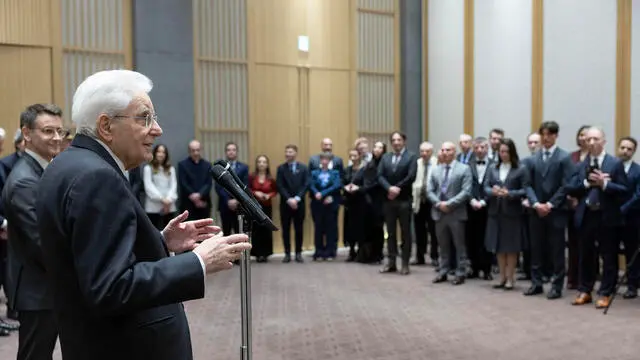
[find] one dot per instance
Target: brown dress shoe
(603, 302)
(582, 298)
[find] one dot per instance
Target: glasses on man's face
(149, 119)
(51, 132)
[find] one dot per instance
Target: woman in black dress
(372, 244)
(505, 186)
(354, 205)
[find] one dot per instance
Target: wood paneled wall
(254, 87)
(48, 46)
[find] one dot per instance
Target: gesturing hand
(180, 235)
(219, 253)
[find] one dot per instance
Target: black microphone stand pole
(244, 226)
(624, 276)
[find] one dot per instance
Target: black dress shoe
(524, 278)
(554, 294)
(419, 262)
(630, 294)
(299, 258)
(405, 270)
(533, 290)
(500, 285)
(8, 326)
(458, 280)
(388, 269)
(286, 259)
(440, 279)
(4, 332)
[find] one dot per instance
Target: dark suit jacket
(477, 189)
(470, 157)
(291, 185)
(194, 178)
(28, 285)
(242, 170)
(516, 182)
(631, 206)
(332, 188)
(117, 292)
(402, 177)
(137, 184)
(548, 183)
(6, 165)
(611, 198)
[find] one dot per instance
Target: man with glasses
(42, 130)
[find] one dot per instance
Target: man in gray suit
(449, 189)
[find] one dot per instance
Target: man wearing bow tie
(477, 211)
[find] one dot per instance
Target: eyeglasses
(51, 132)
(149, 119)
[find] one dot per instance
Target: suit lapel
(547, 164)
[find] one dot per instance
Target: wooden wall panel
(96, 35)
(221, 76)
(328, 22)
(26, 79)
(26, 22)
(377, 74)
(275, 30)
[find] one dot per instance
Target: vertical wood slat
(469, 67)
(623, 70)
(537, 63)
(425, 69)
(397, 87)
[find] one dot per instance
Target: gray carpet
(349, 311)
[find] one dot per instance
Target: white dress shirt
(504, 171)
(627, 166)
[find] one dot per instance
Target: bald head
(194, 150)
(448, 152)
(326, 145)
(533, 142)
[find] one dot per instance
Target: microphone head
(224, 163)
(217, 171)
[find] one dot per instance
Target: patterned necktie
(593, 199)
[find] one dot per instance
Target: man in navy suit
(631, 210)
(227, 205)
(550, 172)
(600, 185)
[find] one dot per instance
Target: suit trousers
(630, 238)
(574, 253)
(230, 224)
(398, 210)
(424, 225)
(325, 224)
(476, 230)
(37, 335)
(594, 230)
(452, 232)
(287, 216)
(547, 240)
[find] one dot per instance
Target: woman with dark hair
(372, 243)
(505, 187)
(160, 187)
(263, 187)
(354, 205)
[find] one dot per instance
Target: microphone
(227, 166)
(253, 209)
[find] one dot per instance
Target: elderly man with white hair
(116, 289)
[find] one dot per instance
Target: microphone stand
(245, 290)
(624, 276)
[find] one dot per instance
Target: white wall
(580, 66)
(446, 70)
(503, 68)
(635, 72)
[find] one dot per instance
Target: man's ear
(103, 127)
(26, 133)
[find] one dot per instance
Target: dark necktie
(445, 183)
(423, 192)
(593, 199)
(547, 154)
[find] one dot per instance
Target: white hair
(3, 133)
(105, 92)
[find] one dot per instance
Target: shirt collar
(550, 150)
(115, 158)
(41, 161)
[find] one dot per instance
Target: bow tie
(482, 162)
